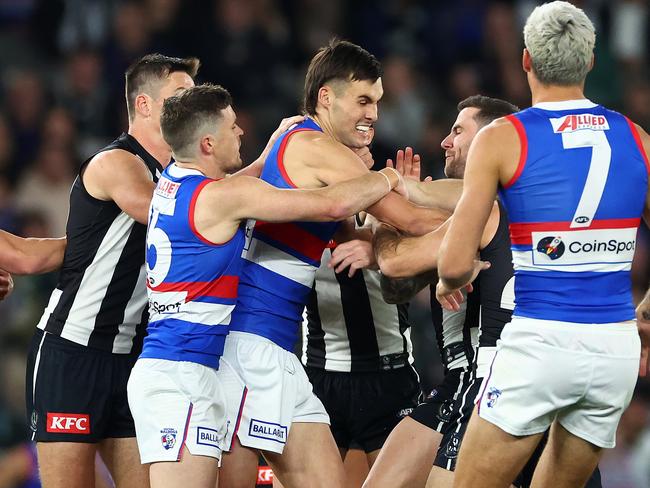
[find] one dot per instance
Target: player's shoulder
(115, 159)
(316, 148)
(499, 131)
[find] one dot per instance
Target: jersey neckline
(566, 104)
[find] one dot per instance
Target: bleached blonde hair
(560, 39)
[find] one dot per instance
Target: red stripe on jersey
(294, 237)
(195, 196)
(222, 287)
(283, 146)
(637, 139)
(521, 233)
(523, 140)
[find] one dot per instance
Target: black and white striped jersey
(456, 331)
(100, 300)
(349, 326)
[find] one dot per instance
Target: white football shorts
(278, 391)
(176, 403)
(583, 375)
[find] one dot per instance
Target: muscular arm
(493, 152)
(223, 204)
(20, 255)
(122, 177)
(442, 194)
(314, 160)
(402, 290)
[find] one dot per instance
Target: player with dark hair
(573, 177)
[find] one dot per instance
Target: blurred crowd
(62, 66)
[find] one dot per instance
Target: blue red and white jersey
(280, 262)
(192, 282)
(574, 205)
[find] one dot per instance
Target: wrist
(393, 177)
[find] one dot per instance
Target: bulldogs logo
(168, 438)
(492, 396)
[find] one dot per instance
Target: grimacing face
(354, 111)
(456, 144)
(228, 141)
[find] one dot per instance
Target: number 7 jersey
(575, 203)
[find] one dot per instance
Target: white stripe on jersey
(279, 262)
(389, 338)
(95, 281)
(51, 305)
(132, 315)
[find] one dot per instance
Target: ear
(207, 144)
(325, 96)
(526, 61)
(143, 105)
(593, 62)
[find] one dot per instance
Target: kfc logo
(68, 423)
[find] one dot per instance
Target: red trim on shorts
(187, 425)
(523, 140)
(280, 158)
(239, 417)
(520, 233)
(637, 139)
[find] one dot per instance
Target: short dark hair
(184, 114)
(489, 109)
(153, 68)
(339, 60)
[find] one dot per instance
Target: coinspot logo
(551, 246)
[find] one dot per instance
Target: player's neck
(325, 124)
(203, 167)
(152, 141)
(554, 93)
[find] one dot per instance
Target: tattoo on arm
(402, 290)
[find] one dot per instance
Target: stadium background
(61, 98)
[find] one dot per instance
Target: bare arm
(314, 160)
(399, 256)
(122, 177)
(223, 204)
(30, 255)
(443, 194)
(493, 144)
(402, 290)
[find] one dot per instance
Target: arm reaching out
(21, 255)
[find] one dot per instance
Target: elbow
(391, 266)
(454, 275)
(340, 211)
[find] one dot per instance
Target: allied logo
(575, 122)
(493, 395)
(268, 430)
(551, 246)
(168, 438)
(68, 423)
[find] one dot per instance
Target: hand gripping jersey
(280, 262)
(574, 205)
(192, 282)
